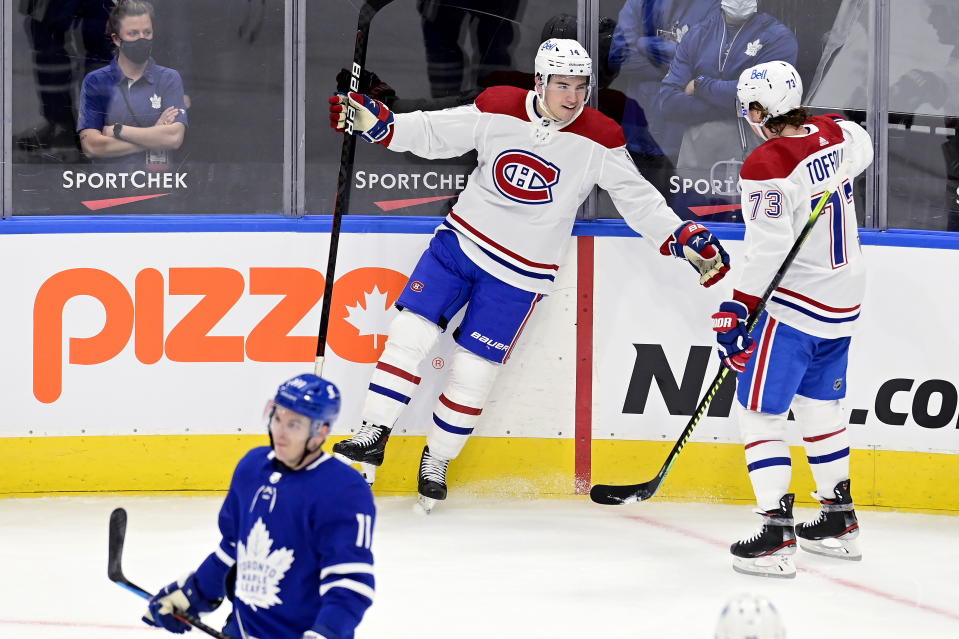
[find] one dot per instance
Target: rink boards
(138, 356)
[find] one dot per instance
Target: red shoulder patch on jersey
(778, 157)
(504, 100)
(597, 127)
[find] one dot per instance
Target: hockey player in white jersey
(540, 152)
(297, 527)
(797, 355)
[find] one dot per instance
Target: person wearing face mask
(699, 92)
(132, 111)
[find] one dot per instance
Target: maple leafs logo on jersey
(260, 568)
(525, 177)
(373, 317)
(753, 47)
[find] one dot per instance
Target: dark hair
(796, 117)
(125, 9)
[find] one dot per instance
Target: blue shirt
(106, 98)
(760, 39)
(301, 541)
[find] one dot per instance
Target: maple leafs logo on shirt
(753, 47)
(260, 568)
(371, 316)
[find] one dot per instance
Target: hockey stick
(118, 532)
(612, 495)
(344, 179)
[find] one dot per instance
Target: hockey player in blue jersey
(796, 357)
(297, 524)
(539, 152)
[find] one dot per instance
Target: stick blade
(611, 495)
(118, 532)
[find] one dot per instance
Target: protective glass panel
(425, 55)
(200, 107)
(923, 157)
(671, 74)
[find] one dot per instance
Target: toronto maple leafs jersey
(301, 542)
(782, 181)
(515, 216)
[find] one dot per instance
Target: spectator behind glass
(50, 26)
(700, 93)
(132, 111)
(492, 24)
(643, 47)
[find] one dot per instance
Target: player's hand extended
(735, 345)
(694, 243)
(372, 120)
(180, 596)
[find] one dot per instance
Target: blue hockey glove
(372, 120)
(736, 347)
(694, 243)
(180, 596)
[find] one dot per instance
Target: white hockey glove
(180, 596)
(372, 120)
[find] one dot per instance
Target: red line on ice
(837, 580)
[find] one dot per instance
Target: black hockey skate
(769, 552)
(834, 532)
(432, 480)
(368, 446)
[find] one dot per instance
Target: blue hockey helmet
(310, 395)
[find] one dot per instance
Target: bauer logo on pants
(524, 177)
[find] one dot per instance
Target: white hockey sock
(826, 440)
(767, 455)
(461, 404)
(395, 377)
(770, 469)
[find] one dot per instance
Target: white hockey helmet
(558, 56)
(775, 85)
(748, 616)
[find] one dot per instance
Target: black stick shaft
(345, 177)
(118, 531)
(620, 494)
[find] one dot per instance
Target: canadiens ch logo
(417, 286)
(524, 177)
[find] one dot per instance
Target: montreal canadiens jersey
(515, 216)
(781, 182)
(301, 542)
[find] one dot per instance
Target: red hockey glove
(372, 120)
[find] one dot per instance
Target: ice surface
(497, 568)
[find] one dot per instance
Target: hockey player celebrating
(540, 152)
(801, 342)
(297, 524)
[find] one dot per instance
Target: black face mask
(137, 51)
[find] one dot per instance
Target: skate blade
(775, 566)
(369, 473)
(837, 548)
(424, 505)
(367, 470)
